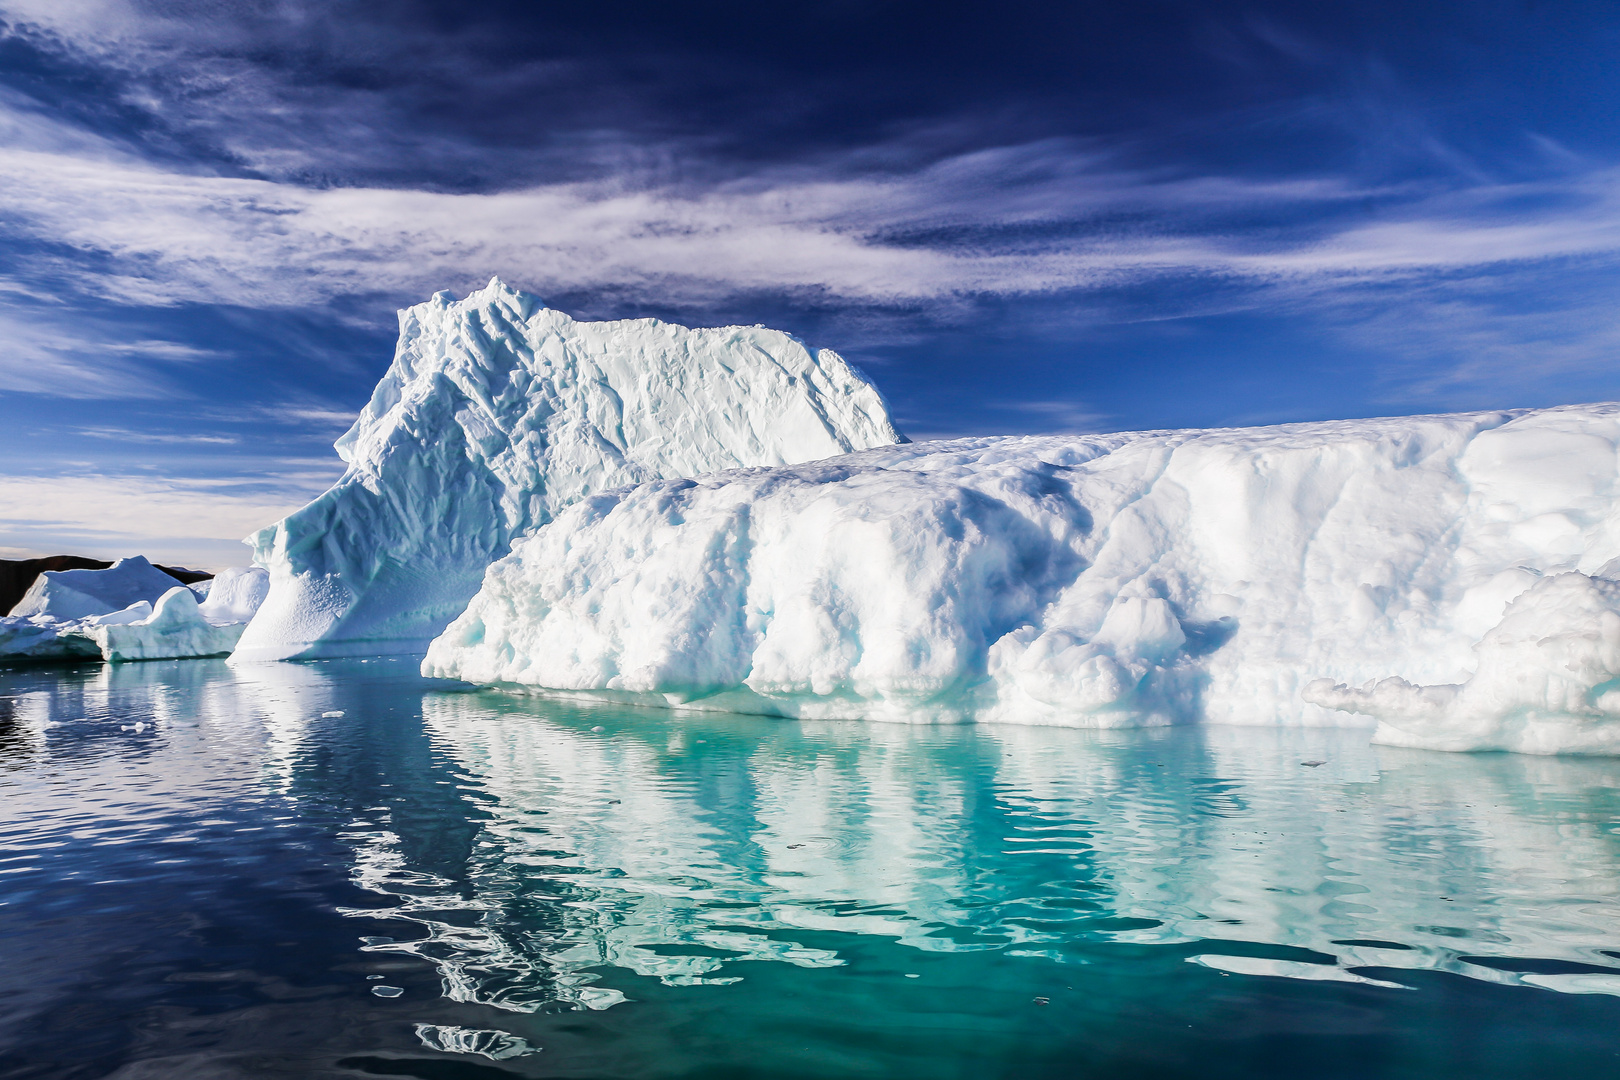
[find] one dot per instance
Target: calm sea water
(325, 870)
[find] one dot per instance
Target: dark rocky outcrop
(16, 575)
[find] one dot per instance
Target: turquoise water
(204, 876)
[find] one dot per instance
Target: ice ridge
(496, 414)
(1456, 568)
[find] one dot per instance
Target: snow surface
(234, 595)
(1240, 576)
(496, 414)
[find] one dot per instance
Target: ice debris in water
(1243, 576)
(130, 611)
(496, 414)
(493, 1044)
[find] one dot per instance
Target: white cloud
(130, 435)
(50, 351)
(157, 236)
(190, 520)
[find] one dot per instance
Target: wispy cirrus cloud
(53, 350)
(130, 435)
(1045, 218)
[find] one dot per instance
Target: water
(201, 875)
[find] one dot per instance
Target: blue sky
(1016, 217)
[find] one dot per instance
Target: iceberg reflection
(682, 850)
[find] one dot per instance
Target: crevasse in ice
(496, 414)
(1460, 564)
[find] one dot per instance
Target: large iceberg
(1457, 569)
(496, 414)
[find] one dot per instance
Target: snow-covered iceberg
(496, 414)
(174, 628)
(78, 594)
(233, 595)
(82, 614)
(1242, 576)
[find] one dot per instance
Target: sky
(1014, 217)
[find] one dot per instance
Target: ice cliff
(499, 412)
(1456, 570)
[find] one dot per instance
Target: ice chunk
(78, 594)
(1099, 580)
(497, 413)
(41, 638)
(139, 611)
(175, 629)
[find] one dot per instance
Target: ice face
(77, 594)
(174, 629)
(234, 595)
(1546, 679)
(499, 412)
(1102, 581)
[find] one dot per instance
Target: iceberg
(71, 615)
(1545, 679)
(35, 639)
(174, 628)
(499, 412)
(78, 594)
(1464, 566)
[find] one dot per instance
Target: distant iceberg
(78, 594)
(1456, 568)
(173, 628)
(130, 611)
(499, 412)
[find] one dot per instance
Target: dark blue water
(203, 875)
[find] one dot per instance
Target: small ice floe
(137, 727)
(493, 1044)
(388, 991)
(329, 715)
